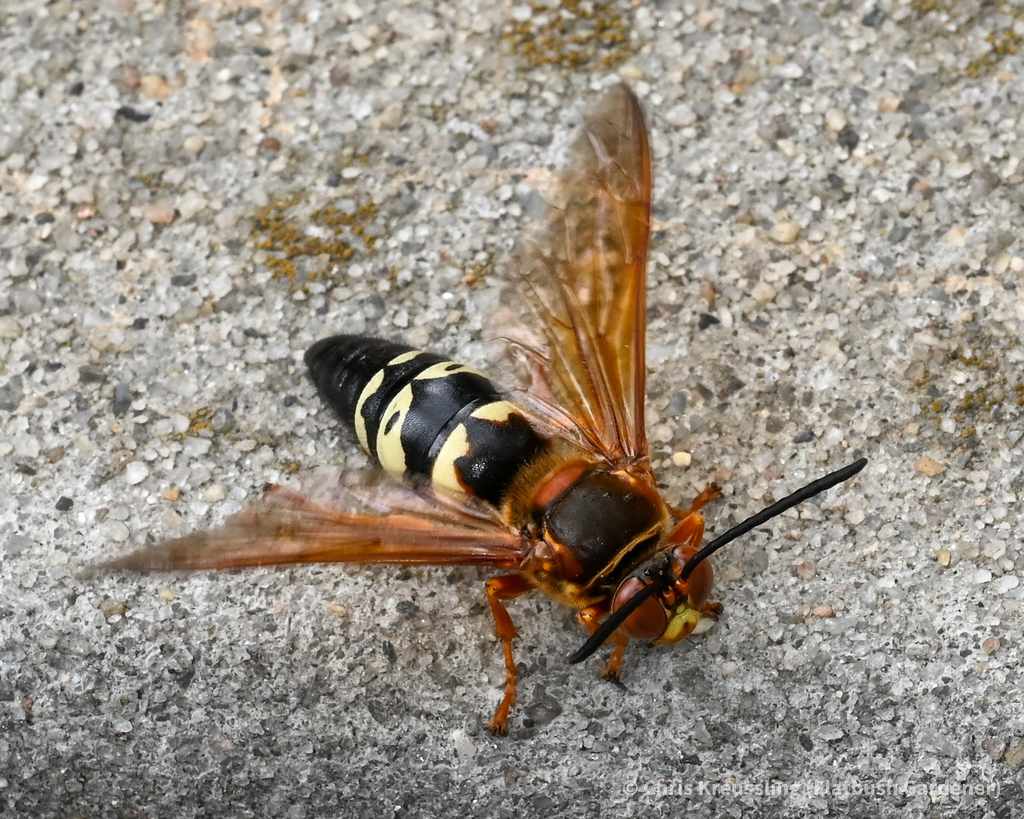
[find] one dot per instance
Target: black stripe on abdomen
(422, 415)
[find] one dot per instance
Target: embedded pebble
(9, 327)
(763, 292)
(17, 544)
(116, 531)
(159, 213)
(196, 447)
(190, 204)
(1006, 583)
(835, 120)
(80, 195)
(136, 472)
(929, 466)
(221, 286)
(88, 374)
(214, 493)
(1015, 754)
(122, 399)
(121, 726)
(958, 170)
(956, 237)
(785, 233)
(934, 742)
(155, 87)
(681, 116)
(464, 747)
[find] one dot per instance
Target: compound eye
(649, 621)
(697, 588)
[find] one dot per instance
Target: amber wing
(585, 283)
(394, 525)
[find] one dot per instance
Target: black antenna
(776, 509)
(614, 620)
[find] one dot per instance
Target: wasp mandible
(554, 486)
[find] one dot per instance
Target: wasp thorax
(601, 519)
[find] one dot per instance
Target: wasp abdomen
(422, 415)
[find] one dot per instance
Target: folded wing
(288, 527)
(585, 284)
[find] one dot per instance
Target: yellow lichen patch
(1003, 43)
(570, 34)
(199, 420)
(306, 245)
(984, 388)
(958, 24)
(478, 271)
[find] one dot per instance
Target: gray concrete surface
(844, 180)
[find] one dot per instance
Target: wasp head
(671, 605)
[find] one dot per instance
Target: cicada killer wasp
(554, 485)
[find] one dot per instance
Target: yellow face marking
(389, 435)
(682, 621)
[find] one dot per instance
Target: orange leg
(709, 493)
(590, 618)
(712, 610)
(689, 533)
(506, 587)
